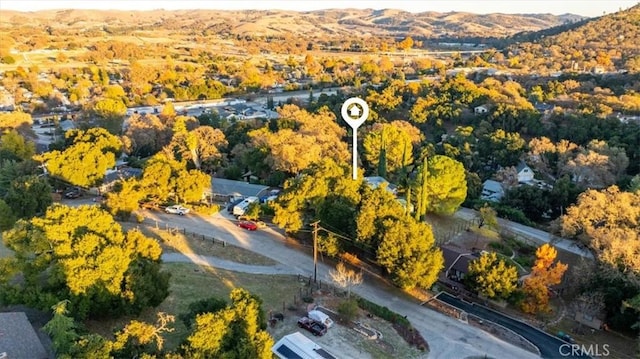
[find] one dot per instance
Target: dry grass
(187, 244)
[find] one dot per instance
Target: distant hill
(322, 23)
(608, 42)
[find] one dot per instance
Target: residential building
(492, 191)
(18, 339)
(478, 110)
(376, 181)
(456, 262)
(297, 345)
(525, 173)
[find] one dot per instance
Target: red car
(248, 225)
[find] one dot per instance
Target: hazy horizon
(590, 8)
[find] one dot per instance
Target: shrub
(9, 60)
(206, 209)
(348, 310)
(383, 312)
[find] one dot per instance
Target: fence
(174, 230)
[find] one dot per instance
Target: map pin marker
(354, 112)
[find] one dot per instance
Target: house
(113, 176)
(456, 262)
(226, 187)
(492, 191)
(18, 339)
(525, 174)
(376, 181)
(480, 109)
(296, 345)
(543, 107)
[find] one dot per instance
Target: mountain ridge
(327, 22)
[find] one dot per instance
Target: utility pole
(315, 251)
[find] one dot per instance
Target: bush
(348, 310)
(9, 60)
(383, 312)
(501, 248)
(208, 305)
(206, 209)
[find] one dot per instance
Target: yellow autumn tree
(544, 274)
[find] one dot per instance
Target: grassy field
(190, 282)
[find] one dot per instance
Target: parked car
(73, 193)
(320, 317)
(317, 329)
(177, 209)
(248, 225)
(233, 204)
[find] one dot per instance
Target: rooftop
(18, 339)
(297, 346)
(229, 187)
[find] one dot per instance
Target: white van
(320, 317)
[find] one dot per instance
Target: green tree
(86, 160)
(159, 177)
(491, 276)
(110, 108)
(15, 145)
(442, 187)
(488, 217)
(61, 329)
(234, 332)
(407, 251)
(29, 196)
(15, 120)
(397, 142)
(84, 256)
(7, 217)
(308, 192)
(190, 186)
(124, 198)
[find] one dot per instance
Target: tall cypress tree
(382, 158)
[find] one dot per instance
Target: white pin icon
(354, 112)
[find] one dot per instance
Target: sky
(589, 8)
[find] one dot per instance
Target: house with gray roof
(18, 339)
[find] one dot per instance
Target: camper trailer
(241, 208)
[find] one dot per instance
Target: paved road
(535, 234)
(447, 337)
(549, 345)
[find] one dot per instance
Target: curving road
(549, 345)
(535, 234)
(447, 337)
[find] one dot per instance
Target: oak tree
(491, 276)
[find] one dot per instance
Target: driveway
(447, 337)
(549, 345)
